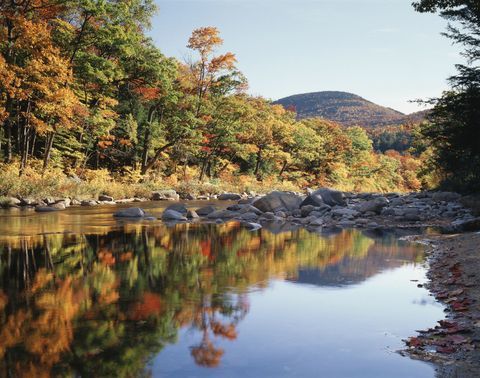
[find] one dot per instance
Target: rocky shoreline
(320, 208)
(454, 343)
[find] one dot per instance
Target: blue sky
(381, 50)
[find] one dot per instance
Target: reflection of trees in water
(104, 304)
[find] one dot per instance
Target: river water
(83, 294)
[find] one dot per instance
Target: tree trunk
(257, 165)
(284, 167)
(147, 139)
(154, 159)
(48, 149)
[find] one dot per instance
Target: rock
(192, 214)
(445, 196)
(376, 205)
(222, 214)
(46, 209)
(132, 212)
(325, 196)
(105, 198)
(49, 201)
(75, 202)
(178, 207)
(248, 216)
(27, 201)
(247, 201)
(173, 215)
(229, 197)
(250, 209)
(463, 225)
(252, 226)
(125, 200)
(59, 205)
(187, 196)
(89, 203)
(346, 223)
(344, 212)
(165, 195)
(317, 222)
(235, 207)
(306, 210)
(204, 211)
(10, 202)
(66, 201)
(278, 201)
(281, 214)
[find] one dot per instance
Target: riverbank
(454, 343)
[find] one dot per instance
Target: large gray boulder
(375, 206)
(229, 197)
(178, 207)
(278, 201)
(165, 195)
(172, 215)
(325, 196)
(10, 202)
(222, 214)
(132, 212)
(204, 211)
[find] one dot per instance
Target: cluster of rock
(326, 208)
(56, 204)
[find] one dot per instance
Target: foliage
(454, 128)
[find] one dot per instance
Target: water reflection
(103, 304)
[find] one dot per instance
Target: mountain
(345, 108)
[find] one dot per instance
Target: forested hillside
(85, 94)
(347, 109)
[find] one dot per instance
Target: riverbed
(84, 294)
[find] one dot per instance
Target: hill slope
(345, 108)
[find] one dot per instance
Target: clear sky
(381, 50)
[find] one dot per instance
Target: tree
(454, 128)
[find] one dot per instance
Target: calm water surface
(82, 294)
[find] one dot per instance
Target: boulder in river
(165, 195)
(178, 207)
(325, 196)
(278, 201)
(204, 211)
(229, 197)
(172, 215)
(46, 209)
(10, 202)
(375, 206)
(132, 212)
(222, 214)
(105, 198)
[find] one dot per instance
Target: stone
(248, 216)
(277, 201)
(75, 202)
(252, 226)
(46, 209)
(376, 205)
(229, 197)
(463, 225)
(204, 211)
(325, 196)
(178, 207)
(222, 214)
(27, 201)
(10, 202)
(445, 196)
(250, 209)
(192, 214)
(317, 222)
(173, 215)
(59, 206)
(344, 212)
(187, 196)
(306, 210)
(131, 212)
(125, 200)
(89, 203)
(346, 223)
(165, 195)
(105, 198)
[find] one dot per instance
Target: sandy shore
(454, 279)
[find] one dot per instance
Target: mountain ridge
(346, 108)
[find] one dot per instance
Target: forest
(89, 105)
